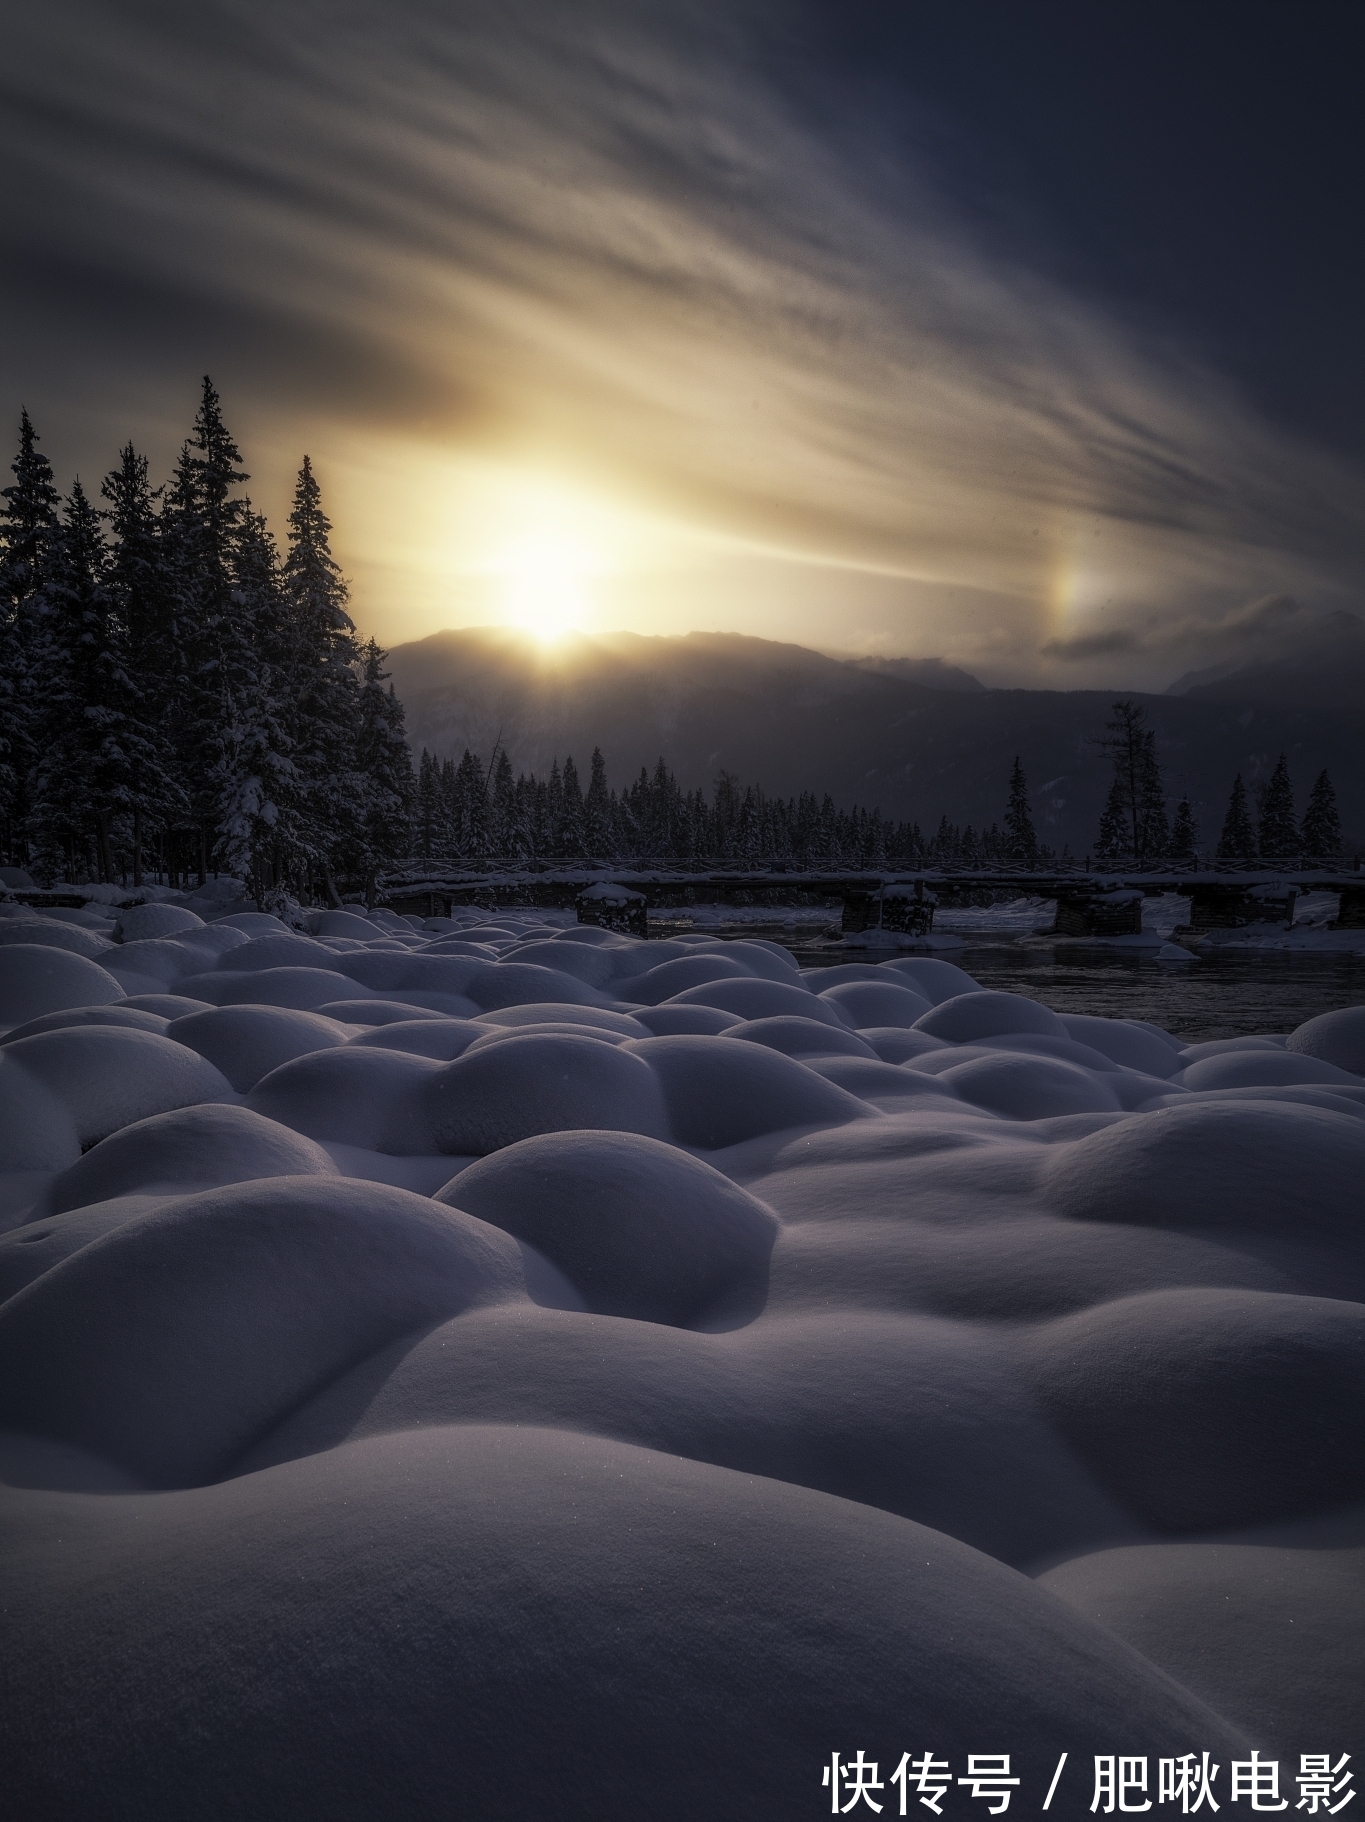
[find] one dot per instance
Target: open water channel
(1221, 995)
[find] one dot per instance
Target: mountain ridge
(793, 719)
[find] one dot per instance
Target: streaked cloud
(465, 253)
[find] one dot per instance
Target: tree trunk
(331, 888)
(203, 856)
(137, 845)
(106, 865)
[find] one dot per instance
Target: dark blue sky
(1198, 167)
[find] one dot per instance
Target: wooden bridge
(1088, 904)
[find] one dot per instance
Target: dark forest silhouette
(177, 697)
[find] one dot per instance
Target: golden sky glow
(582, 329)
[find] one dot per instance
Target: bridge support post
(1232, 904)
(614, 907)
(1117, 912)
(1351, 910)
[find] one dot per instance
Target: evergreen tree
(1238, 840)
(1185, 834)
(81, 782)
(597, 810)
(201, 520)
(137, 583)
(1278, 834)
(27, 529)
(259, 817)
(1113, 844)
(1136, 801)
(1320, 831)
(1021, 843)
(470, 808)
(573, 831)
(1153, 827)
(325, 690)
(382, 832)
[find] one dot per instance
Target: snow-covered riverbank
(472, 1358)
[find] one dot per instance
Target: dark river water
(1222, 996)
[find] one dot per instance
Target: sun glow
(544, 577)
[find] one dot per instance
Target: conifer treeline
(472, 812)
(175, 696)
(1137, 830)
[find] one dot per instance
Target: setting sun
(543, 577)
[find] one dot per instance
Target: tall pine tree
(1021, 842)
(1237, 844)
(142, 601)
(28, 528)
(1320, 831)
(1278, 833)
(325, 694)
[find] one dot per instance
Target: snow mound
(685, 1604)
(936, 980)
(443, 1039)
(371, 1098)
(758, 999)
(1261, 1069)
(37, 1129)
(1334, 1037)
(1029, 1088)
(638, 1228)
(720, 1094)
(661, 983)
(979, 1014)
(1252, 1166)
(245, 1043)
(141, 921)
(868, 1003)
(674, 1021)
(166, 1345)
(801, 1037)
(532, 1083)
(297, 989)
(108, 1077)
(50, 934)
(1211, 1408)
(129, 1018)
(191, 1148)
(35, 979)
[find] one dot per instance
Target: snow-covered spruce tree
(1278, 832)
(82, 781)
(1153, 827)
(28, 525)
(1113, 844)
(1237, 843)
(469, 808)
(325, 685)
(382, 832)
(573, 833)
(138, 586)
(1021, 841)
(201, 518)
(1320, 831)
(1185, 833)
(507, 839)
(597, 811)
(259, 814)
(428, 810)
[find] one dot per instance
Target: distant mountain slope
(793, 719)
(1316, 664)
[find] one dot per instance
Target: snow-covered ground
(494, 1367)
